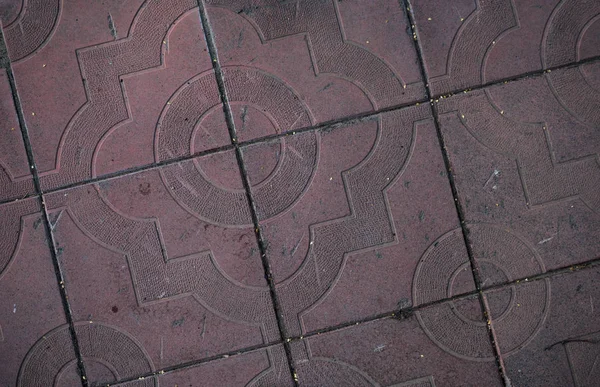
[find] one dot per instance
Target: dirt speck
(112, 27)
(178, 323)
(145, 189)
(37, 223)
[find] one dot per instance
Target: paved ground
(311, 192)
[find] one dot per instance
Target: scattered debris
(178, 322)
(494, 174)
(545, 240)
(112, 27)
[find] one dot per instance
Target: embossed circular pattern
(518, 312)
(209, 201)
(328, 372)
(562, 42)
(222, 169)
(53, 354)
(33, 26)
(469, 310)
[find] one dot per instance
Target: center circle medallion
(278, 182)
(250, 122)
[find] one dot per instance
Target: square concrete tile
(266, 367)
(114, 85)
(295, 64)
(358, 220)
(436, 346)
(15, 175)
(35, 344)
(165, 259)
(467, 43)
(548, 330)
(525, 159)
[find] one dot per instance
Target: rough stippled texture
(468, 43)
(558, 329)
(35, 341)
(138, 254)
(526, 162)
(352, 224)
(393, 353)
(336, 58)
(299, 193)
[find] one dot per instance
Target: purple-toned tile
(35, 343)
(114, 85)
(15, 176)
(165, 259)
(350, 216)
(467, 43)
(548, 331)
(423, 349)
(259, 368)
(297, 64)
(525, 159)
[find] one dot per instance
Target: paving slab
(468, 43)
(525, 160)
(547, 330)
(401, 352)
(357, 219)
(103, 89)
(314, 60)
(35, 343)
(166, 259)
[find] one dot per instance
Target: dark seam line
(457, 204)
(212, 49)
(6, 64)
(138, 169)
(404, 313)
(18, 199)
(398, 314)
(335, 123)
(520, 77)
(548, 274)
(324, 126)
(190, 364)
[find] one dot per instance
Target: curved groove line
(36, 23)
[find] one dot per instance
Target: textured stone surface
(547, 330)
(155, 261)
(347, 227)
(525, 157)
(315, 60)
(467, 43)
(32, 320)
(155, 192)
(249, 369)
(99, 94)
(394, 353)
